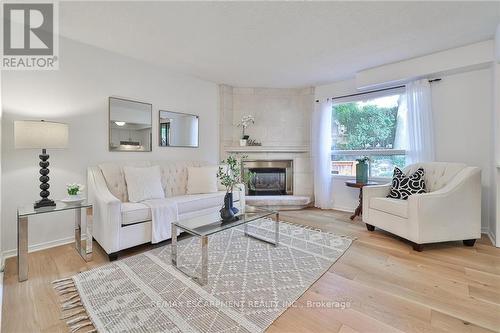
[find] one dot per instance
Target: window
(373, 125)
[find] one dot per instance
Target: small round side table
(359, 209)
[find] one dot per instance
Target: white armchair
(450, 211)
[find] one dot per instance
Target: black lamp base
(44, 180)
(44, 203)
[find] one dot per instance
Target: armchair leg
(418, 247)
(113, 256)
(370, 227)
(469, 242)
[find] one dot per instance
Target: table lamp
(35, 134)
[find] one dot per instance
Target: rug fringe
(78, 317)
(69, 315)
(77, 327)
(76, 320)
(64, 300)
(67, 291)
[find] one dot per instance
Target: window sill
(381, 180)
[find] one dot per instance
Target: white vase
(74, 197)
(243, 142)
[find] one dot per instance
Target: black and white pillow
(403, 186)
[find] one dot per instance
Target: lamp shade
(40, 134)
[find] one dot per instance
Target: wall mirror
(130, 125)
(178, 129)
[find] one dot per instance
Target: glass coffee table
(206, 225)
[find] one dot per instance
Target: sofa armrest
(107, 211)
(376, 191)
(450, 213)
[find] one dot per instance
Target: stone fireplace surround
(282, 125)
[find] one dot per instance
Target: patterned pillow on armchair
(403, 186)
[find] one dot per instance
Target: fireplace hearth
(270, 177)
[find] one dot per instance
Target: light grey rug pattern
(250, 282)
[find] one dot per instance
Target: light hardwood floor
(387, 286)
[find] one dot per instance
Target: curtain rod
(374, 91)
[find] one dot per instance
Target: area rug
(250, 283)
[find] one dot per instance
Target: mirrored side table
(83, 241)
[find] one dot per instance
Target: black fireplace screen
(267, 181)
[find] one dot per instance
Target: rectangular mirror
(130, 125)
(178, 129)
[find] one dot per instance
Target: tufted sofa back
(437, 174)
(173, 176)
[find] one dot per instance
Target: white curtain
(420, 143)
(321, 146)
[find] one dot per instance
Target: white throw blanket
(163, 213)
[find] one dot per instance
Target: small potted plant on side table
(74, 193)
(230, 176)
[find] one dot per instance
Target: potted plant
(362, 170)
(244, 123)
(230, 176)
(74, 191)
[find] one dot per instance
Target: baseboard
(38, 247)
(345, 209)
(490, 235)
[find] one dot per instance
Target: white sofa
(450, 211)
(120, 224)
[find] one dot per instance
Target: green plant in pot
(230, 176)
(362, 169)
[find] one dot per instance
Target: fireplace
(270, 177)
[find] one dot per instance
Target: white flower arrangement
(245, 122)
(74, 189)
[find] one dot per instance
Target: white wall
(462, 108)
(78, 94)
(462, 105)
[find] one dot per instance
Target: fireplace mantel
(267, 149)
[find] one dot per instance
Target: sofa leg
(469, 242)
(370, 227)
(113, 256)
(418, 247)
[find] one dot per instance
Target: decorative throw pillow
(143, 183)
(202, 179)
(403, 186)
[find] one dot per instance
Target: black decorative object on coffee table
(228, 211)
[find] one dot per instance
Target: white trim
(38, 247)
(362, 96)
(369, 152)
(490, 235)
(267, 149)
(381, 180)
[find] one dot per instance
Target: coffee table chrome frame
(203, 278)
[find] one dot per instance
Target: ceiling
(277, 44)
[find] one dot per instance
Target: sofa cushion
(115, 179)
(139, 212)
(143, 183)
(134, 212)
(202, 179)
(390, 206)
(174, 175)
